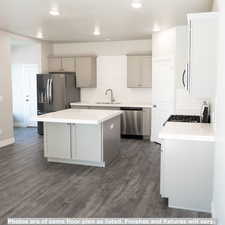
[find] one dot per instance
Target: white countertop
(79, 116)
(188, 131)
(141, 105)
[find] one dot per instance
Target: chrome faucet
(112, 97)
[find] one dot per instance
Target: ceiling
(116, 18)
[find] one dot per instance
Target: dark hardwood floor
(129, 187)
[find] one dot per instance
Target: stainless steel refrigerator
(55, 91)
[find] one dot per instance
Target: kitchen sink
(108, 103)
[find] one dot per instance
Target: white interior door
(163, 93)
(30, 94)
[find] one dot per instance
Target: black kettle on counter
(205, 113)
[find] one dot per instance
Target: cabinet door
(146, 71)
(54, 64)
(57, 140)
(203, 41)
(86, 71)
(133, 71)
(68, 64)
(87, 142)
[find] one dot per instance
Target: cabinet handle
(183, 78)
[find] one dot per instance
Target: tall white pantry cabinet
(200, 77)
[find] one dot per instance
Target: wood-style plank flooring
(129, 187)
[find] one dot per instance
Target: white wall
(46, 50)
(112, 73)
(218, 205)
(6, 120)
(111, 69)
(103, 48)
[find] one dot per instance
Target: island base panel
(77, 162)
(111, 139)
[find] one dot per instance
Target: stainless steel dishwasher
(132, 121)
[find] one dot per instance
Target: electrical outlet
(1, 98)
(1, 131)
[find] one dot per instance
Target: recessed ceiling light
(156, 28)
(136, 4)
(97, 31)
(54, 12)
(39, 35)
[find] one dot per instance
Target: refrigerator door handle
(47, 92)
(50, 91)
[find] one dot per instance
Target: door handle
(183, 78)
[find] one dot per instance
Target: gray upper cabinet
(54, 64)
(86, 72)
(61, 64)
(68, 64)
(139, 71)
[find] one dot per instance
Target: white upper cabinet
(139, 71)
(202, 54)
(86, 71)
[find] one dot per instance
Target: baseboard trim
(6, 142)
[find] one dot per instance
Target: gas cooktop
(184, 118)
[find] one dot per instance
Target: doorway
(25, 65)
(163, 93)
(24, 94)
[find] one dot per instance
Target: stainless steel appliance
(132, 122)
(55, 91)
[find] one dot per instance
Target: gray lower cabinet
(57, 140)
(86, 142)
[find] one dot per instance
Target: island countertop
(79, 116)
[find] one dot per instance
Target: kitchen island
(80, 136)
